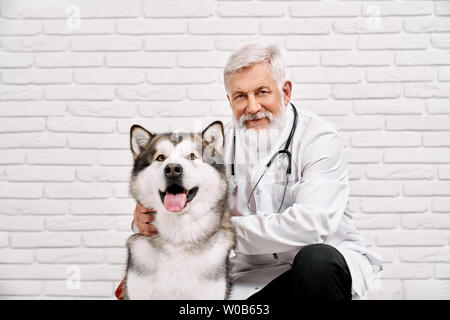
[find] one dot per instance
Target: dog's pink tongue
(175, 202)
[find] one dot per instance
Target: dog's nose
(173, 170)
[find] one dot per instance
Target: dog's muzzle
(175, 198)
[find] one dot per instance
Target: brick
(105, 239)
(122, 190)
(19, 28)
(387, 290)
(328, 9)
(173, 109)
(429, 289)
(78, 191)
(375, 188)
(37, 77)
(414, 155)
(386, 139)
(102, 109)
(377, 221)
(364, 156)
(202, 59)
(206, 92)
(436, 139)
(139, 60)
(231, 43)
(68, 60)
(400, 172)
(392, 42)
(427, 188)
(185, 75)
(20, 288)
(79, 92)
(99, 174)
(15, 256)
(18, 190)
(438, 106)
(32, 272)
(151, 92)
(34, 206)
(87, 289)
(411, 238)
(306, 42)
(22, 125)
(14, 60)
(87, 27)
(357, 58)
(425, 254)
(427, 90)
(109, 76)
(19, 93)
(295, 26)
(71, 124)
(366, 91)
(106, 43)
(301, 59)
(4, 241)
(442, 271)
(394, 205)
(78, 223)
(178, 43)
(229, 26)
(103, 207)
(441, 205)
(426, 221)
(45, 240)
(38, 43)
(69, 255)
(417, 58)
(367, 26)
(406, 271)
(327, 108)
(311, 91)
(19, 9)
(39, 173)
(426, 25)
(115, 255)
(442, 8)
(244, 9)
(423, 123)
(444, 172)
(348, 123)
(179, 9)
(382, 9)
(31, 140)
(61, 157)
(159, 26)
(444, 74)
(402, 74)
(389, 106)
(115, 158)
(327, 75)
(98, 141)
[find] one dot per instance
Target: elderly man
(289, 190)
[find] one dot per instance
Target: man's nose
(173, 170)
(253, 105)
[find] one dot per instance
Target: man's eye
(192, 156)
(160, 158)
(238, 96)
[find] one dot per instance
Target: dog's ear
(139, 138)
(213, 142)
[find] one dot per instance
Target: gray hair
(256, 53)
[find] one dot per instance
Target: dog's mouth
(175, 198)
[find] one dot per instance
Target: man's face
(253, 90)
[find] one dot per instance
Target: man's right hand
(143, 218)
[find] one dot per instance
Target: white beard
(254, 145)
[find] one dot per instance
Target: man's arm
(319, 203)
(142, 222)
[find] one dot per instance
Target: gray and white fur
(188, 258)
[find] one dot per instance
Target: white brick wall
(378, 70)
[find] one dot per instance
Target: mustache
(256, 116)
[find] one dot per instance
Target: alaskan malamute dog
(182, 177)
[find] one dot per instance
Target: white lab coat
(314, 209)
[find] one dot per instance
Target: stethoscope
(285, 150)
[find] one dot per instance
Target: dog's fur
(188, 258)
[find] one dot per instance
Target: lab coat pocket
(278, 189)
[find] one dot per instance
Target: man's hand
(143, 217)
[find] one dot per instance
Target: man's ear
(287, 91)
(139, 138)
(213, 142)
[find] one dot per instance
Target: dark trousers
(319, 272)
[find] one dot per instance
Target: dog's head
(178, 173)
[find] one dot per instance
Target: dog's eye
(192, 156)
(160, 158)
